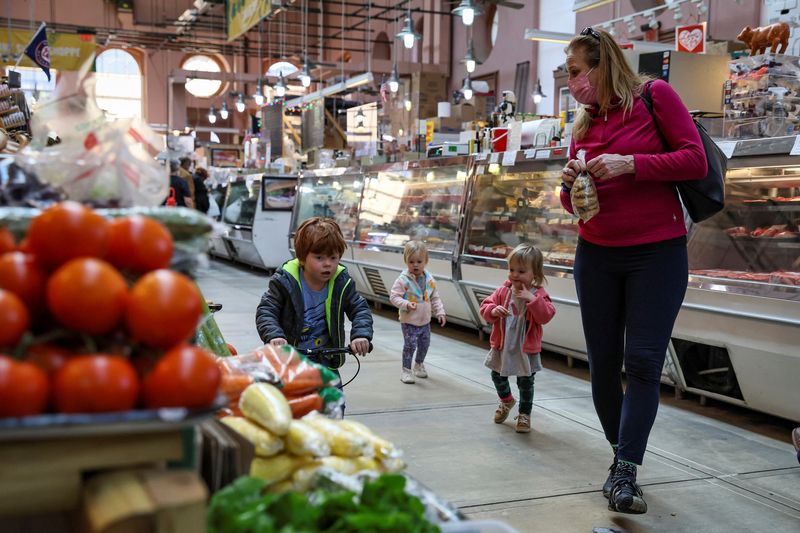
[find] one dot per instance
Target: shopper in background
(414, 294)
(517, 310)
(186, 174)
(201, 202)
(178, 190)
(796, 442)
(308, 297)
(631, 266)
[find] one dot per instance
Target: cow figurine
(758, 39)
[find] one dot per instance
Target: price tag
(542, 154)
(405, 165)
(728, 147)
(530, 153)
(509, 158)
(495, 157)
(796, 148)
(481, 156)
(481, 169)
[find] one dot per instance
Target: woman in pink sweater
(414, 294)
(631, 265)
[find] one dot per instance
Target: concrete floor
(706, 470)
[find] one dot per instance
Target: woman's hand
(607, 166)
(571, 171)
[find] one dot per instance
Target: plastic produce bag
(100, 162)
(584, 194)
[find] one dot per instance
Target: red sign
(691, 38)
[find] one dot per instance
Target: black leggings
(525, 384)
(629, 298)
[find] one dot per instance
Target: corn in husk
(277, 468)
(266, 405)
(266, 444)
(303, 439)
(342, 442)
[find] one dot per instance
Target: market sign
(244, 14)
(691, 38)
(67, 51)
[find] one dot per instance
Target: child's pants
(525, 384)
(415, 338)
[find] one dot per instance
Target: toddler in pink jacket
(414, 294)
(516, 311)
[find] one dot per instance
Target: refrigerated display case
(218, 245)
(420, 200)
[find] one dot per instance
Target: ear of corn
(343, 443)
(303, 476)
(266, 444)
(277, 468)
(267, 406)
(304, 439)
(383, 448)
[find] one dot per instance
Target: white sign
(495, 157)
(509, 158)
(728, 147)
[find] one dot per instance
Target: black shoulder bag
(705, 197)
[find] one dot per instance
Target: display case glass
(516, 204)
(753, 245)
(421, 203)
(334, 194)
(242, 200)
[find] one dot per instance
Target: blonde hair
(415, 247)
(615, 79)
(318, 236)
(529, 256)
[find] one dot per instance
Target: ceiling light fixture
(466, 90)
(223, 112)
(240, 103)
(548, 36)
(258, 96)
(360, 118)
(470, 60)
(280, 87)
(407, 34)
(467, 10)
(305, 75)
(585, 5)
(394, 80)
(212, 114)
(538, 94)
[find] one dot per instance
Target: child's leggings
(415, 338)
(525, 384)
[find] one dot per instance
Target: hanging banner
(67, 51)
(244, 14)
(691, 38)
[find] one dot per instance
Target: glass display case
(514, 204)
(753, 245)
(278, 193)
(244, 193)
(334, 193)
(422, 203)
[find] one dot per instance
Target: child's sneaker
(419, 370)
(407, 376)
(523, 423)
(503, 410)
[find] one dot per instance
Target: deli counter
(737, 337)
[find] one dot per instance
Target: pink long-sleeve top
(540, 311)
(642, 207)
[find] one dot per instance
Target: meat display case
(737, 335)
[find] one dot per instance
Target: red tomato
(66, 231)
(232, 349)
(21, 274)
(14, 318)
(140, 244)
(24, 388)
(48, 357)
(163, 309)
(96, 383)
(187, 376)
(24, 246)
(7, 243)
(87, 295)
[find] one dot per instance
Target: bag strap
(648, 103)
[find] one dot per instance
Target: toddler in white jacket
(414, 294)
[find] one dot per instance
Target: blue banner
(39, 51)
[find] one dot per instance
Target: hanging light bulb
(470, 60)
(280, 87)
(258, 96)
(240, 103)
(538, 94)
(467, 11)
(407, 34)
(305, 75)
(360, 118)
(466, 90)
(223, 111)
(394, 80)
(212, 114)
(407, 104)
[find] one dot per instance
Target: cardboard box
(446, 125)
(464, 112)
(427, 90)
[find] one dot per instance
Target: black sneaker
(610, 478)
(626, 495)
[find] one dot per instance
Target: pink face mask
(581, 89)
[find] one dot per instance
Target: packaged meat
(584, 194)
